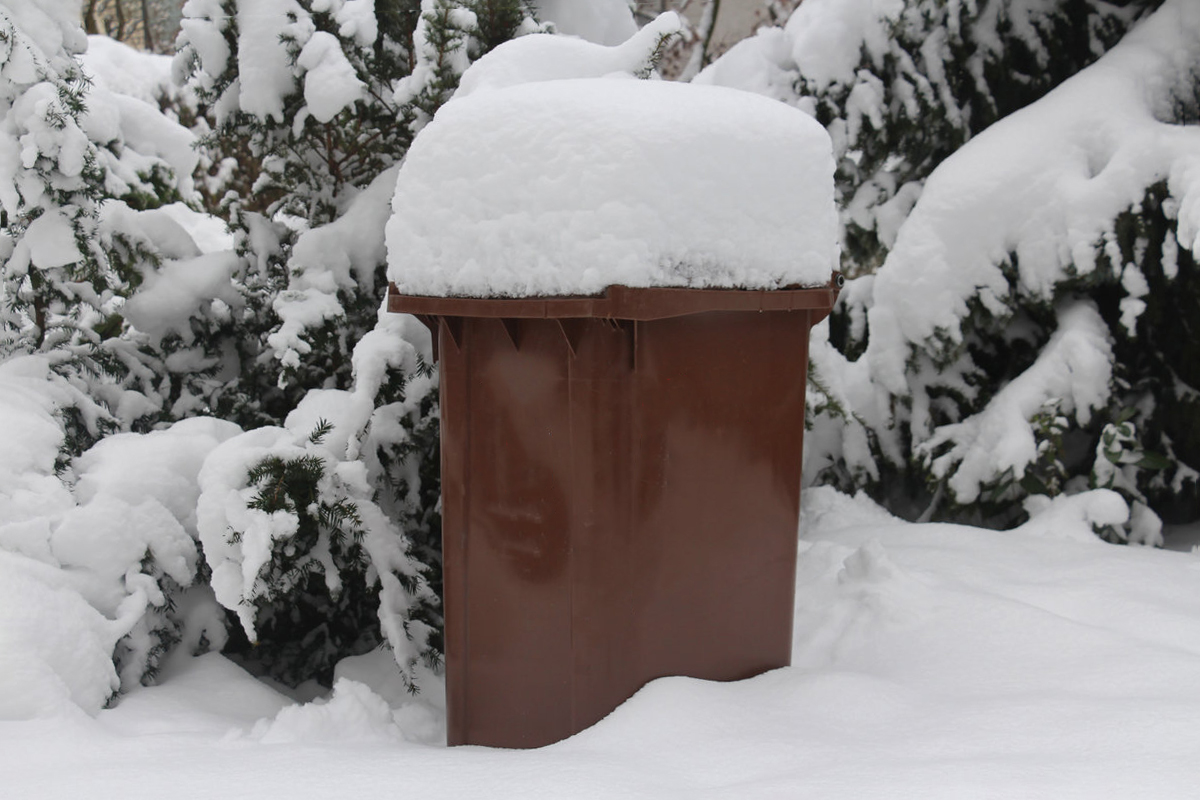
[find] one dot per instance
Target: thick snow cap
(566, 187)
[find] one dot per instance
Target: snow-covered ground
(929, 661)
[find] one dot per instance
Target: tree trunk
(120, 34)
(89, 18)
(147, 34)
(699, 58)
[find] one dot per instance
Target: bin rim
(622, 303)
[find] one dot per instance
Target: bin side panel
(690, 567)
(516, 612)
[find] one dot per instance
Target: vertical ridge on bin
(512, 327)
(574, 524)
(454, 327)
(572, 331)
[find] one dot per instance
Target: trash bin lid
(622, 303)
(567, 187)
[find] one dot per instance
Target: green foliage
(314, 602)
(1148, 289)
(73, 310)
(308, 169)
(444, 38)
(138, 656)
(949, 71)
(157, 188)
(1048, 475)
(1140, 445)
(41, 311)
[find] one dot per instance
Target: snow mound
(606, 22)
(565, 187)
(55, 649)
(124, 70)
(352, 713)
(169, 461)
(32, 401)
(123, 115)
(529, 59)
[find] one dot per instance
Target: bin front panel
(694, 571)
(627, 510)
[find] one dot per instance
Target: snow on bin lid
(566, 187)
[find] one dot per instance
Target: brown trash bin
(620, 496)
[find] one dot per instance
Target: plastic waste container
(620, 496)
(620, 465)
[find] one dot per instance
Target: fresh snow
(1043, 184)
(823, 42)
(123, 112)
(928, 660)
(607, 22)
(329, 259)
(329, 81)
(50, 241)
(122, 70)
(203, 28)
(542, 57)
(208, 233)
(55, 648)
(51, 25)
(828, 38)
(264, 73)
(565, 187)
